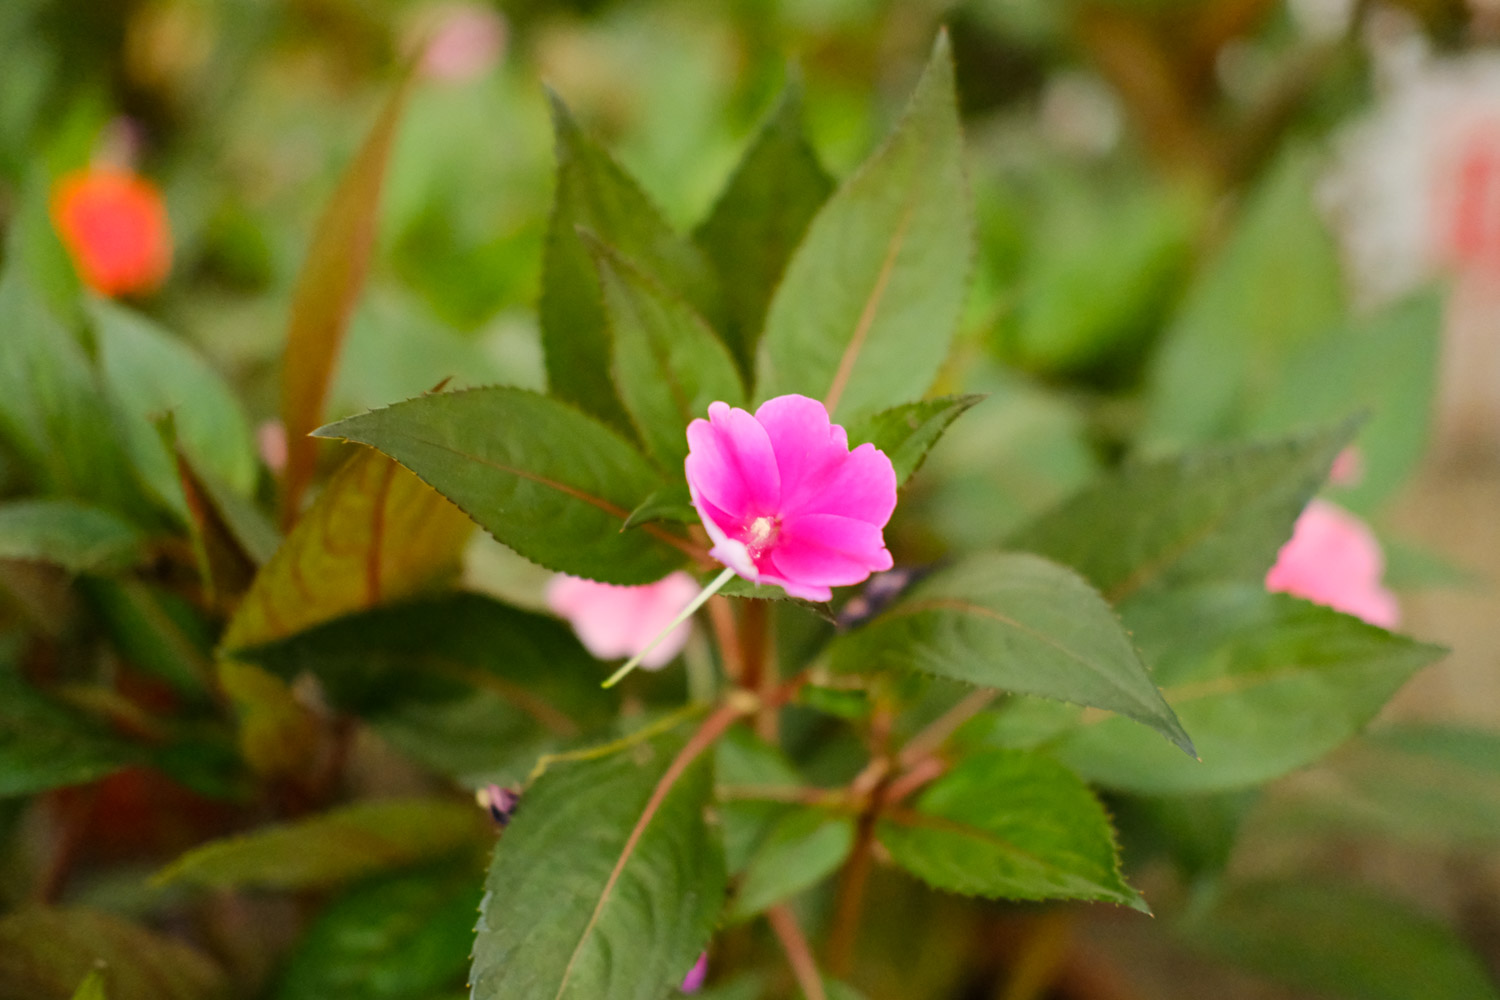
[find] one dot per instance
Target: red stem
(798, 954)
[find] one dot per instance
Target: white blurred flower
(1414, 192)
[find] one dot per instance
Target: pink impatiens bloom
(785, 500)
(693, 981)
(612, 621)
(1333, 559)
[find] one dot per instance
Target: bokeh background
(1176, 198)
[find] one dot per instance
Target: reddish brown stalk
(75, 810)
(798, 955)
(721, 616)
(712, 728)
(926, 770)
(937, 732)
(760, 666)
(845, 933)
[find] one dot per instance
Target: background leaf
(760, 218)
(1010, 825)
(334, 847)
(1265, 683)
(75, 536)
(595, 193)
(45, 745)
(45, 952)
(327, 288)
(864, 314)
(150, 374)
(541, 477)
(1344, 942)
(554, 921)
(397, 938)
(803, 848)
(92, 987)
(907, 432)
(1016, 623)
(1213, 515)
(667, 364)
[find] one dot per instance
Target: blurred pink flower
(785, 500)
(1333, 559)
(270, 440)
(1348, 467)
(613, 621)
(114, 225)
(463, 41)
(693, 981)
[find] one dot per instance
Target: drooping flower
(114, 225)
(613, 621)
(499, 802)
(693, 981)
(785, 500)
(1333, 559)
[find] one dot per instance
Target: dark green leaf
(1017, 623)
(576, 907)
(75, 536)
(668, 503)
(45, 952)
(759, 220)
(1012, 825)
(667, 364)
(45, 745)
(399, 938)
(744, 762)
(1215, 515)
(870, 300)
(1273, 288)
(444, 648)
(802, 849)
(334, 847)
(51, 409)
(594, 193)
(1340, 941)
(906, 433)
(156, 631)
(92, 987)
(1264, 682)
(541, 477)
(149, 374)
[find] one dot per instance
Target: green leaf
(92, 987)
(1009, 825)
(156, 631)
(1274, 287)
(667, 364)
(1017, 623)
(1265, 683)
(1386, 366)
(907, 432)
(75, 536)
(744, 760)
(870, 300)
(51, 410)
(397, 938)
(148, 374)
(337, 846)
(45, 952)
(45, 745)
(672, 502)
(1212, 515)
(327, 289)
(1426, 784)
(576, 907)
(444, 648)
(594, 193)
(759, 220)
(1340, 941)
(541, 477)
(802, 849)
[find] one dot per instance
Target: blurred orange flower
(114, 224)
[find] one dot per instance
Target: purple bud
(501, 802)
(693, 981)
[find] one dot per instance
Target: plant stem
(760, 666)
(845, 933)
(721, 614)
(798, 955)
(937, 732)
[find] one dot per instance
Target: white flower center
(763, 531)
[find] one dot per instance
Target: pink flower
(463, 41)
(613, 621)
(785, 500)
(693, 981)
(1333, 559)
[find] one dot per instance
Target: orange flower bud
(114, 225)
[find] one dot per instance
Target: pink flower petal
(730, 462)
(614, 622)
(825, 549)
(1334, 559)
